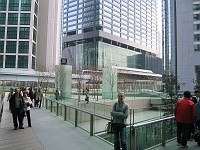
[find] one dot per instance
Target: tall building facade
(101, 33)
(29, 36)
(181, 55)
(18, 34)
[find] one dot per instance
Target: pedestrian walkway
(173, 146)
(48, 132)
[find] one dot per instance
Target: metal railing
(1, 105)
(139, 135)
(164, 128)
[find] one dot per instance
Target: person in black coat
(16, 106)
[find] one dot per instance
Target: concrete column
(63, 79)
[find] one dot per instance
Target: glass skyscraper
(100, 33)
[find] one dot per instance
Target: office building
(101, 33)
(182, 54)
(29, 37)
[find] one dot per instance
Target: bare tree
(111, 79)
(44, 77)
(79, 82)
(96, 80)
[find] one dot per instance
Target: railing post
(51, 106)
(57, 105)
(133, 138)
(133, 134)
(65, 111)
(91, 125)
(76, 118)
(163, 132)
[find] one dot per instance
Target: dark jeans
(40, 101)
(182, 133)
(28, 117)
(190, 130)
(16, 114)
(120, 136)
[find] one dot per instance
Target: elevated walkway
(48, 132)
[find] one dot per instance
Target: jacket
(12, 103)
(197, 111)
(119, 112)
(184, 111)
(27, 103)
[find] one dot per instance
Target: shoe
(184, 146)
(21, 127)
(15, 128)
(178, 144)
(29, 126)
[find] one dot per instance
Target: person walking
(120, 114)
(39, 97)
(27, 108)
(87, 95)
(57, 93)
(184, 112)
(16, 106)
(10, 94)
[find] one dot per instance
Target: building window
(197, 47)
(22, 61)
(1, 61)
(12, 18)
(196, 27)
(197, 37)
(3, 4)
(35, 21)
(24, 33)
(11, 46)
(34, 49)
(2, 18)
(1, 46)
(196, 16)
(13, 5)
(36, 9)
(25, 19)
(10, 61)
(25, 5)
(12, 33)
(34, 35)
(23, 47)
(2, 32)
(33, 62)
(196, 7)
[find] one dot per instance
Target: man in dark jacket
(16, 107)
(184, 114)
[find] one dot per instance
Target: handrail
(82, 110)
(1, 106)
(140, 124)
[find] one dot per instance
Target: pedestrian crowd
(21, 100)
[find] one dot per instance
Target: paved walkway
(48, 132)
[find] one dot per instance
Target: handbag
(109, 127)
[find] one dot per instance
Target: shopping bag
(109, 127)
